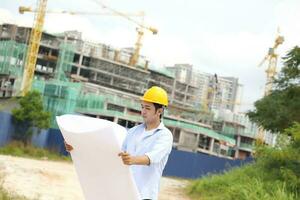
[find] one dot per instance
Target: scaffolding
(59, 97)
(96, 103)
(12, 55)
(115, 75)
(90, 103)
(65, 60)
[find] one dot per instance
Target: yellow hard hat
(156, 95)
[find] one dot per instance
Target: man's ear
(160, 110)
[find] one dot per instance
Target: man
(147, 146)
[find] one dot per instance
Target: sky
(226, 37)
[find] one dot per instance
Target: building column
(180, 137)
(80, 64)
(197, 142)
(1, 31)
(116, 120)
(125, 110)
(2, 87)
(185, 93)
(173, 91)
(14, 32)
(78, 71)
(238, 143)
(211, 145)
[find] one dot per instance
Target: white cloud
(6, 16)
(57, 23)
(62, 22)
(232, 48)
(167, 49)
(120, 38)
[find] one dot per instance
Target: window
(107, 118)
(204, 142)
(176, 135)
(126, 123)
(133, 111)
(115, 107)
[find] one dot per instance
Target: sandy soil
(48, 180)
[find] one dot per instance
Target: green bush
(275, 175)
(239, 184)
(30, 114)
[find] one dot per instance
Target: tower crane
(37, 29)
(33, 47)
(271, 57)
(23, 9)
(272, 65)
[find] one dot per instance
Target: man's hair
(158, 106)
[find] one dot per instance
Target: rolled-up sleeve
(161, 148)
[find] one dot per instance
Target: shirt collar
(160, 127)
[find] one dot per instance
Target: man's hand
(126, 158)
(134, 160)
(68, 147)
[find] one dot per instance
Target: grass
(20, 150)
(4, 195)
(244, 183)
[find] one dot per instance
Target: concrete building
(224, 93)
(76, 76)
(215, 92)
(239, 127)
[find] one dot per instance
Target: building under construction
(75, 76)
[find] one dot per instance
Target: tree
(290, 74)
(281, 108)
(30, 114)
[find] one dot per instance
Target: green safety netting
(59, 97)
(90, 103)
(64, 62)
(12, 58)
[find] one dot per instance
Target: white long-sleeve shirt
(157, 145)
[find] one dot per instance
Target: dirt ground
(49, 180)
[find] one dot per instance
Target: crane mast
(271, 72)
(33, 47)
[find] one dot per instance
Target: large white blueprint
(96, 143)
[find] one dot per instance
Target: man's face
(148, 112)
